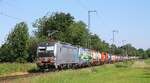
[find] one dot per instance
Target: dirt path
(6, 79)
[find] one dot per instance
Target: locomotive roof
(46, 43)
(53, 42)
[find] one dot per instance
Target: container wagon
(84, 57)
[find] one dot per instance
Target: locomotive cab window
(41, 51)
(46, 51)
(50, 51)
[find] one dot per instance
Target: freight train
(60, 55)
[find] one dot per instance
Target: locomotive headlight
(49, 59)
(40, 60)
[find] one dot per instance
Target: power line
(99, 13)
(12, 17)
(9, 16)
(7, 3)
(11, 5)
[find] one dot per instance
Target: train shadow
(33, 71)
(41, 70)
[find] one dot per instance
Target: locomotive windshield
(46, 51)
(50, 51)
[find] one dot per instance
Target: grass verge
(9, 68)
(104, 74)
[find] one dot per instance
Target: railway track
(9, 78)
(5, 79)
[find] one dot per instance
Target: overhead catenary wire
(9, 16)
(8, 3)
(99, 12)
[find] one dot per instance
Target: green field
(124, 72)
(14, 68)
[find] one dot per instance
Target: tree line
(21, 47)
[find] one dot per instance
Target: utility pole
(123, 43)
(114, 31)
(89, 25)
(126, 48)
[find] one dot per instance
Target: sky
(131, 18)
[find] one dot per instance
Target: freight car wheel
(59, 67)
(40, 68)
(75, 66)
